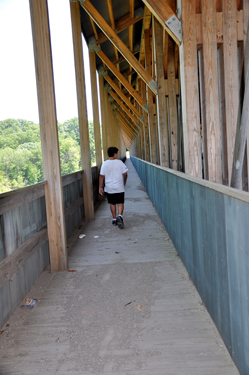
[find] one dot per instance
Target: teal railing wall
(209, 226)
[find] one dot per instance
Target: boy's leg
(113, 210)
(120, 208)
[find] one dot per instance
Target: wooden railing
(24, 248)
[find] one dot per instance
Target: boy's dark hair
(111, 151)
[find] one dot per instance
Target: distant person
(114, 172)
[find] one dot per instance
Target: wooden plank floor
(130, 309)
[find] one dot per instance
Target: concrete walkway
(129, 309)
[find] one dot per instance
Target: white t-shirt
(113, 171)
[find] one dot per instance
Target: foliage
(21, 155)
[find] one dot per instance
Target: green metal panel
(210, 232)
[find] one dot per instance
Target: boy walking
(114, 172)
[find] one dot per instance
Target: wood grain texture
(116, 41)
(162, 12)
(122, 96)
(19, 197)
(82, 111)
(161, 103)
(172, 104)
(49, 134)
(219, 27)
(151, 117)
(190, 90)
(120, 77)
(103, 116)
(12, 263)
(126, 118)
(231, 78)
(246, 61)
(211, 91)
(121, 24)
(124, 108)
(95, 106)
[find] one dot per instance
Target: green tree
(69, 156)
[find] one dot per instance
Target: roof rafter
(120, 77)
(125, 118)
(122, 121)
(124, 108)
(117, 42)
(122, 24)
(123, 97)
(167, 18)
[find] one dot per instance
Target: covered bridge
(173, 90)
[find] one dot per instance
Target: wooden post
(243, 125)
(82, 111)
(241, 140)
(190, 91)
(203, 116)
(146, 127)
(161, 107)
(222, 104)
(151, 117)
(103, 116)
(97, 138)
(231, 75)
(49, 135)
(246, 59)
(172, 103)
(211, 90)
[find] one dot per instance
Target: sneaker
(114, 222)
(120, 222)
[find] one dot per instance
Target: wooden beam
(146, 125)
(110, 11)
(49, 135)
(231, 76)
(151, 117)
(116, 61)
(127, 139)
(146, 26)
(95, 106)
(94, 29)
(125, 126)
(246, 61)
(16, 198)
(103, 116)
(172, 104)
(124, 82)
(161, 102)
(203, 118)
(219, 27)
(82, 111)
(13, 262)
(166, 17)
(123, 97)
(121, 24)
(124, 108)
(241, 137)
(108, 121)
(117, 42)
(119, 115)
(125, 117)
(165, 45)
(242, 130)
(222, 101)
(211, 91)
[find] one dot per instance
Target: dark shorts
(115, 198)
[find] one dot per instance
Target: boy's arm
(101, 181)
(125, 175)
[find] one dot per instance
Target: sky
(18, 96)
